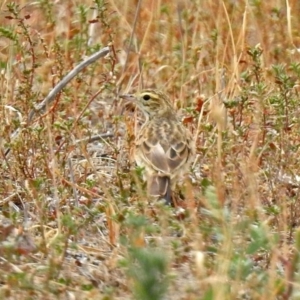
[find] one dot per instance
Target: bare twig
(137, 11)
(94, 138)
(51, 96)
(41, 107)
(72, 177)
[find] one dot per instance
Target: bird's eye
(146, 97)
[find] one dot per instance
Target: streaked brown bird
(163, 146)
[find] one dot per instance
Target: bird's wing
(165, 156)
(155, 156)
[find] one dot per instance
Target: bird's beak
(130, 97)
(129, 101)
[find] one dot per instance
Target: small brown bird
(163, 146)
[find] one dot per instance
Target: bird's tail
(160, 186)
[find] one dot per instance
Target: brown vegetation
(75, 222)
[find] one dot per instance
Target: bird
(164, 147)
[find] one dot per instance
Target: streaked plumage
(164, 147)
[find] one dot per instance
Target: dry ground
(75, 220)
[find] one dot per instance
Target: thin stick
(94, 138)
(65, 81)
(51, 96)
(72, 178)
(137, 11)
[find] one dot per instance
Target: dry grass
(75, 221)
